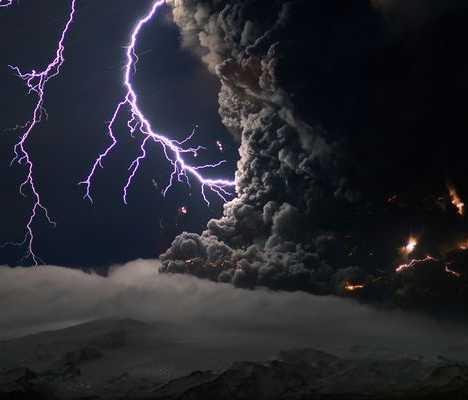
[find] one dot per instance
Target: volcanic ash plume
(320, 147)
(289, 167)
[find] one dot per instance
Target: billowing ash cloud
(268, 235)
(335, 115)
(34, 299)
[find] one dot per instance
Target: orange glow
(413, 263)
(351, 287)
(463, 245)
(456, 200)
(410, 246)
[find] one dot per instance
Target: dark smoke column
(278, 63)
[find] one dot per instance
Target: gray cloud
(267, 235)
(318, 92)
(34, 299)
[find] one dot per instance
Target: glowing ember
(456, 200)
(183, 210)
(351, 287)
(36, 82)
(174, 151)
(220, 146)
(410, 246)
(413, 263)
(463, 245)
(392, 199)
(452, 272)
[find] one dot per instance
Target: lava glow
(413, 263)
(410, 246)
(456, 200)
(174, 151)
(352, 287)
(36, 82)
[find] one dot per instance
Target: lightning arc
(413, 263)
(6, 3)
(36, 82)
(173, 150)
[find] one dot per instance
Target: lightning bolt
(36, 82)
(413, 263)
(173, 150)
(452, 272)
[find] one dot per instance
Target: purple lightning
(36, 81)
(173, 150)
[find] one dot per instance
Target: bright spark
(173, 150)
(410, 246)
(36, 82)
(456, 200)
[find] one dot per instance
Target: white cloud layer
(34, 299)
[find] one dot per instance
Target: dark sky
(175, 91)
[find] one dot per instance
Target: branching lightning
(6, 3)
(413, 263)
(36, 82)
(173, 150)
(417, 262)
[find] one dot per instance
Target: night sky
(176, 91)
(348, 119)
(344, 125)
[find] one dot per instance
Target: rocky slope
(127, 359)
(310, 374)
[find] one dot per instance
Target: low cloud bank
(34, 299)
